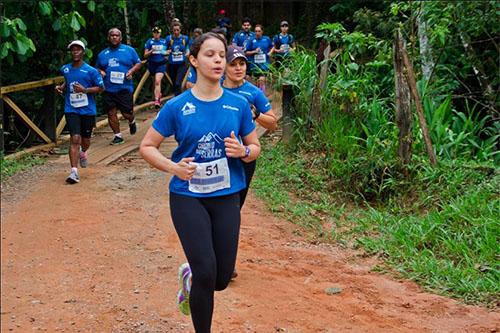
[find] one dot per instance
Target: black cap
(156, 29)
(234, 52)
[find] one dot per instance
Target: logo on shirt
(113, 62)
(66, 70)
(244, 92)
(188, 109)
(208, 146)
(224, 106)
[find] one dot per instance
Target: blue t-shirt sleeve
(147, 46)
(247, 125)
(135, 56)
(61, 70)
(98, 63)
(235, 38)
(292, 39)
(275, 40)
(165, 122)
(261, 102)
(191, 75)
(97, 79)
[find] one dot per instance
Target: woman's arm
(251, 145)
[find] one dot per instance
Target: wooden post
(403, 106)
(2, 150)
(320, 86)
(49, 113)
(286, 109)
(418, 104)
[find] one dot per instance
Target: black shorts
(157, 67)
(122, 100)
(80, 124)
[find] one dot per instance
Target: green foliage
(11, 166)
(15, 41)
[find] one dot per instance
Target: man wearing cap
(117, 64)
(155, 50)
(81, 83)
(283, 43)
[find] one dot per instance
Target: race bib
(210, 177)
(260, 58)
(117, 77)
(177, 56)
(157, 49)
(285, 47)
(78, 100)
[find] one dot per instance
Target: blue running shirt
(192, 75)
(260, 60)
(87, 76)
(159, 49)
(283, 42)
(116, 63)
(253, 95)
(200, 128)
(241, 38)
(179, 47)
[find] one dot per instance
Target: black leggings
(176, 73)
(208, 229)
(249, 170)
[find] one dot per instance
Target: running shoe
(73, 178)
(157, 104)
(133, 128)
(117, 141)
(83, 159)
(182, 300)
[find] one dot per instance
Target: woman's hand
(233, 147)
(184, 169)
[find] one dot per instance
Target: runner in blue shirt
(177, 52)
(207, 176)
(241, 37)
(191, 78)
(283, 43)
(81, 82)
(257, 51)
(117, 64)
(155, 51)
(225, 24)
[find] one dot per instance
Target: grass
(11, 166)
(441, 229)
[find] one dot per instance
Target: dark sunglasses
(284, 25)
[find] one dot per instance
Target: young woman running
(208, 176)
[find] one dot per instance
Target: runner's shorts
(157, 67)
(80, 124)
(122, 100)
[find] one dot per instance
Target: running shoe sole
(182, 299)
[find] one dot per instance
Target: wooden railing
(52, 127)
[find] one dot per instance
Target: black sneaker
(133, 128)
(117, 141)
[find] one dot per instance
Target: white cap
(76, 42)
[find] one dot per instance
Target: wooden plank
(140, 85)
(30, 85)
(26, 119)
(60, 126)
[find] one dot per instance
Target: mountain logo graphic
(188, 108)
(211, 137)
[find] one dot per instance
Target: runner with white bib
(258, 50)
(177, 51)
(283, 44)
(155, 50)
(207, 166)
(81, 83)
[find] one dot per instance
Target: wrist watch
(247, 152)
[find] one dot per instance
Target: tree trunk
(169, 12)
(127, 26)
(412, 83)
(186, 10)
(403, 103)
(425, 47)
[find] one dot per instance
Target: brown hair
(196, 46)
(259, 26)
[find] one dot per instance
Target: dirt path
(102, 256)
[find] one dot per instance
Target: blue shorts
(157, 67)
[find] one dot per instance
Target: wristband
(247, 152)
(256, 113)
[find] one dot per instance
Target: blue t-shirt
(254, 96)
(116, 63)
(283, 42)
(241, 38)
(200, 128)
(87, 76)
(179, 47)
(191, 75)
(159, 49)
(260, 60)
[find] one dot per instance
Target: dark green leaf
(4, 50)
(20, 24)
(75, 25)
(22, 45)
(4, 30)
(121, 4)
(45, 8)
(56, 25)
(81, 20)
(91, 6)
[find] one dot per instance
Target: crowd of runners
(212, 118)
